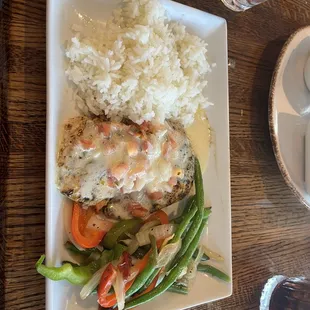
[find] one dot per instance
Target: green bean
(199, 197)
(186, 242)
(150, 280)
(179, 232)
(207, 212)
(189, 204)
(187, 208)
(214, 272)
(184, 224)
(146, 272)
(179, 289)
(172, 276)
(203, 258)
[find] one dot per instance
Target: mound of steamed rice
(139, 65)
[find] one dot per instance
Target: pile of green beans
(173, 274)
(192, 222)
(197, 221)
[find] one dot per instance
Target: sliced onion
(165, 242)
(192, 267)
(67, 218)
(100, 248)
(126, 241)
(167, 253)
(159, 232)
(129, 235)
(191, 271)
(149, 225)
(94, 256)
(119, 289)
(132, 274)
(134, 260)
(133, 246)
(95, 222)
(199, 254)
(92, 283)
(183, 273)
(183, 281)
(161, 277)
(213, 255)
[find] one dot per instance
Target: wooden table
(271, 229)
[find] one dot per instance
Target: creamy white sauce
(199, 134)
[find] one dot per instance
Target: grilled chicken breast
(101, 162)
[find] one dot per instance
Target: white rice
(139, 65)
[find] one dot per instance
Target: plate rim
(272, 122)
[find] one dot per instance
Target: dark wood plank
(270, 227)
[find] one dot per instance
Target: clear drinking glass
(241, 5)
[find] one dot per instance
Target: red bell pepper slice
(85, 237)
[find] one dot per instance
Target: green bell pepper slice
(77, 275)
(119, 230)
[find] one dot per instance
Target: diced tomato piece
(132, 148)
(137, 210)
(142, 164)
(119, 171)
(173, 181)
(147, 146)
(135, 132)
(117, 126)
(105, 128)
(158, 127)
(112, 182)
(173, 143)
(155, 195)
(158, 215)
(145, 126)
(87, 144)
(165, 148)
(108, 148)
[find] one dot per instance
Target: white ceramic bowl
(289, 112)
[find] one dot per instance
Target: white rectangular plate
(61, 15)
